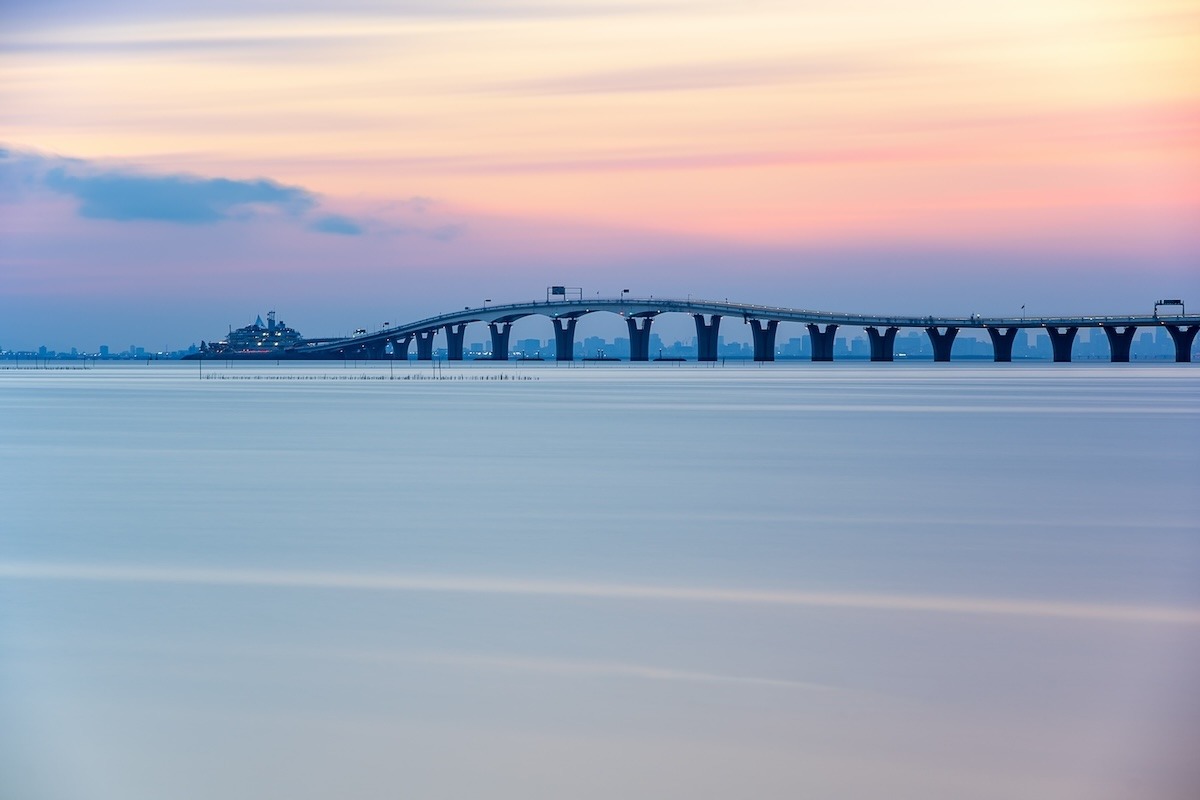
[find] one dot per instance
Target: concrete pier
(639, 337)
(454, 341)
(1119, 342)
(425, 344)
(564, 338)
(942, 341)
(706, 336)
(1183, 338)
(822, 341)
(763, 334)
(400, 346)
(500, 331)
(1062, 339)
(1002, 343)
(883, 345)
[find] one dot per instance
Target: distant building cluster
(104, 353)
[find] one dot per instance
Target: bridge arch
(581, 334)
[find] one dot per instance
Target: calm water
(850, 581)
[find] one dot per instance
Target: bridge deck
(648, 307)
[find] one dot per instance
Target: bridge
(764, 321)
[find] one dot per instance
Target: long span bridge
(639, 314)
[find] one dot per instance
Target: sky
(168, 169)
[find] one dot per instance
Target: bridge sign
(563, 292)
(1173, 302)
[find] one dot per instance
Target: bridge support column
(882, 344)
(375, 351)
(639, 337)
(454, 341)
(822, 343)
(400, 347)
(1002, 343)
(1183, 338)
(942, 341)
(1062, 340)
(706, 336)
(425, 344)
(763, 334)
(1119, 342)
(500, 331)
(564, 338)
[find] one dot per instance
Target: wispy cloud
(241, 27)
(54, 11)
(261, 47)
(335, 223)
(977, 606)
(174, 198)
(125, 194)
(696, 76)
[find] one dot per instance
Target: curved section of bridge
(394, 342)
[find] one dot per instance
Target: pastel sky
(170, 168)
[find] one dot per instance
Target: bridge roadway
(763, 320)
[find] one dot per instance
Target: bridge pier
(564, 338)
(1119, 342)
(763, 334)
(706, 336)
(500, 331)
(1183, 338)
(375, 351)
(400, 347)
(822, 330)
(882, 344)
(454, 341)
(1061, 341)
(639, 337)
(822, 342)
(942, 341)
(425, 344)
(1002, 343)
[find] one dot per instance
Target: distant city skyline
(170, 169)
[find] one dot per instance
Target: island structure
(254, 341)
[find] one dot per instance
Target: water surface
(838, 580)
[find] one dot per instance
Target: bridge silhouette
(764, 321)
